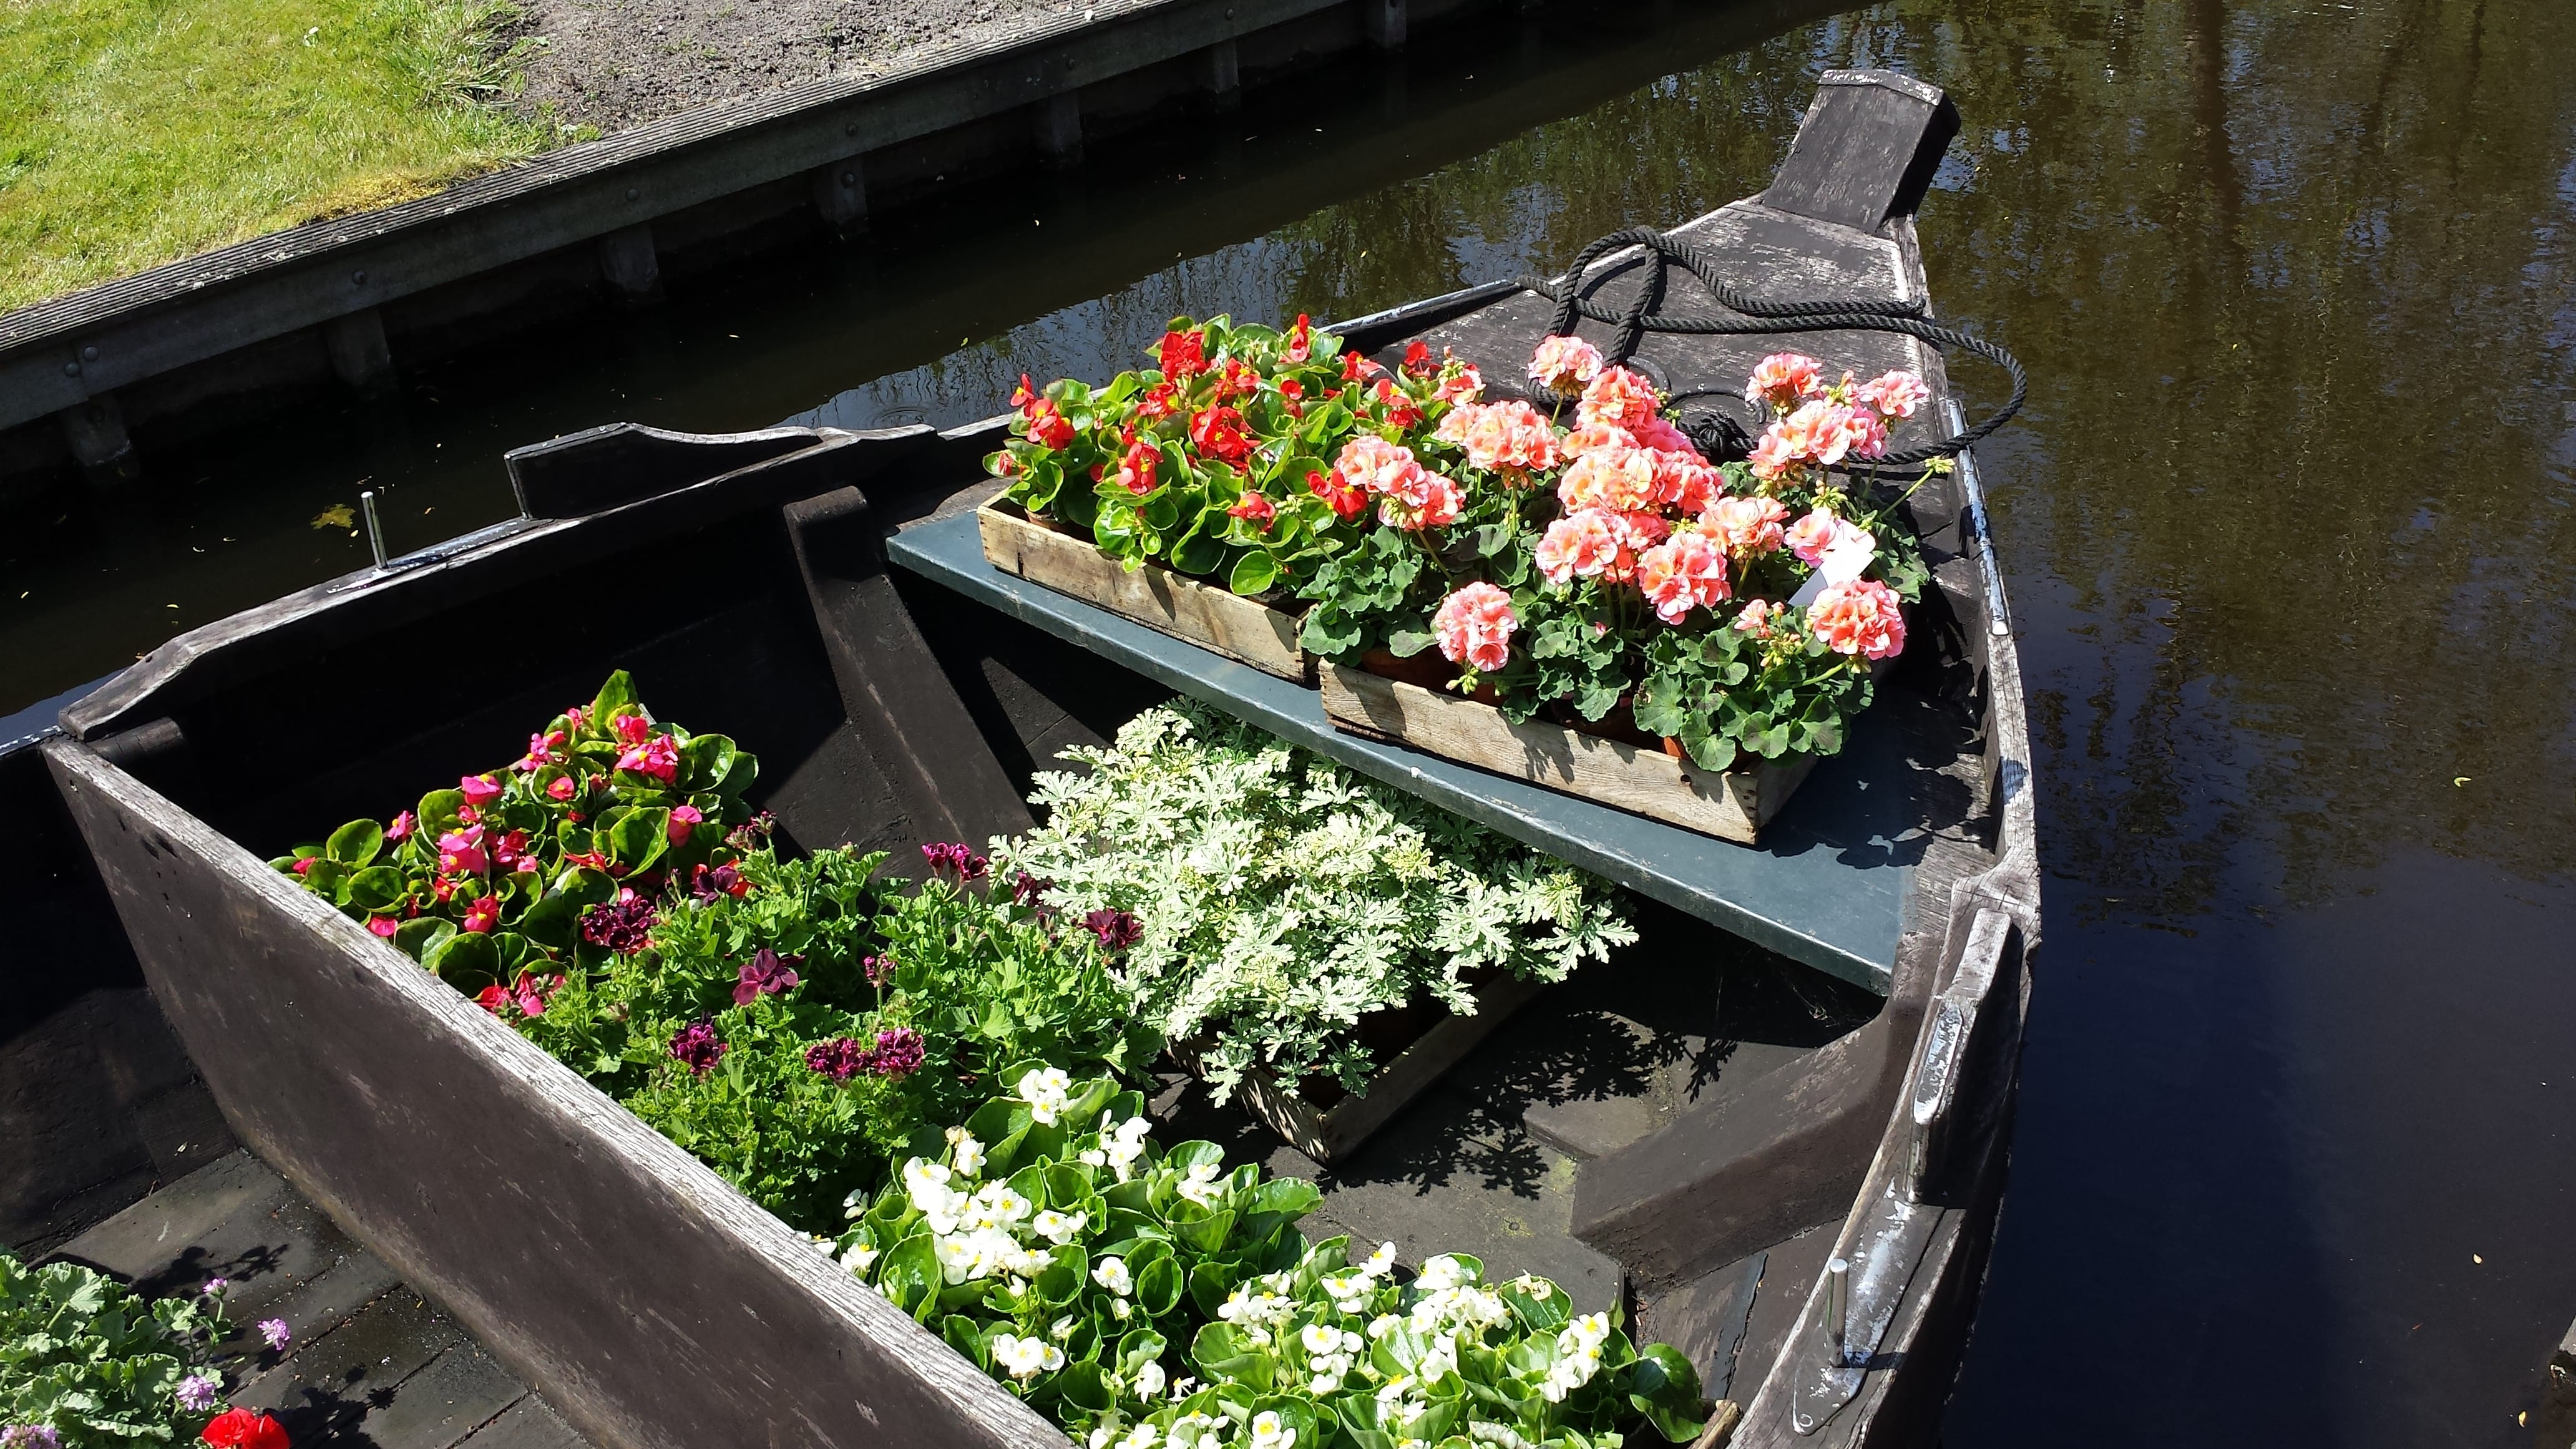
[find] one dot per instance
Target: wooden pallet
(1207, 615)
(1733, 805)
(1327, 1133)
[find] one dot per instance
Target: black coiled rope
(1719, 436)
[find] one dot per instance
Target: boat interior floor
(1485, 1161)
(369, 1362)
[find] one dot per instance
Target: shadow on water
(2290, 526)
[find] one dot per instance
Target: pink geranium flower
(1595, 438)
(1860, 617)
(1811, 535)
(1460, 382)
(1474, 627)
(1756, 618)
(1618, 397)
(1682, 573)
(1434, 503)
(1582, 544)
(1658, 434)
(1783, 380)
(1374, 465)
(1895, 394)
(1684, 480)
(1746, 527)
(1563, 364)
(1615, 478)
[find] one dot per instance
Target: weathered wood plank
(1207, 615)
(1734, 805)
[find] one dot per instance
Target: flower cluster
(1273, 898)
(1068, 1257)
(84, 1360)
(1232, 456)
(508, 877)
(1598, 568)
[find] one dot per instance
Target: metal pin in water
(1837, 1299)
(375, 529)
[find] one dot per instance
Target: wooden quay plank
(1826, 887)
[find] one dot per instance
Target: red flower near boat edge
(1301, 339)
(238, 1428)
(1049, 427)
(1218, 433)
(1254, 509)
(1183, 355)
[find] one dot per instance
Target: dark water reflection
(2291, 531)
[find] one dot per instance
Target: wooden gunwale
(1252, 630)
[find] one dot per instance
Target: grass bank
(137, 132)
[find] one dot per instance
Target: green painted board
(1827, 886)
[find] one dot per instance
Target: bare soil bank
(618, 63)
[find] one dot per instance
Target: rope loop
(1755, 316)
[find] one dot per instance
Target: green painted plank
(1827, 887)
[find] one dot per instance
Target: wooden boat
(1806, 1211)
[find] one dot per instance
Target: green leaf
(615, 693)
(467, 961)
(1158, 1286)
(639, 837)
(1254, 573)
(420, 935)
(1405, 643)
(552, 921)
(909, 1274)
(1665, 1388)
(355, 843)
(376, 889)
(1221, 1351)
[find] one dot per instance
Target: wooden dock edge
(1329, 1133)
(649, 1301)
(1157, 597)
(1733, 806)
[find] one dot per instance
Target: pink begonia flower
(1860, 617)
(382, 926)
(1783, 380)
(657, 757)
(303, 864)
(493, 999)
(401, 828)
(631, 728)
(1563, 364)
(460, 852)
(1474, 627)
(479, 791)
(1895, 394)
(1582, 544)
(1756, 618)
(1617, 478)
(684, 818)
(542, 751)
(1684, 572)
(1620, 398)
(526, 865)
(562, 787)
(482, 914)
(1595, 438)
(1746, 527)
(1809, 536)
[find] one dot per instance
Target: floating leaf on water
(338, 515)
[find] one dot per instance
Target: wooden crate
(1208, 615)
(1733, 805)
(1327, 1133)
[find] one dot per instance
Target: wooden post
(1866, 151)
(95, 429)
(632, 267)
(1222, 65)
(1383, 22)
(360, 356)
(1058, 122)
(841, 196)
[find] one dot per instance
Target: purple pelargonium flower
(840, 1058)
(766, 974)
(1029, 890)
(714, 884)
(197, 1392)
(1117, 930)
(624, 925)
(878, 968)
(696, 1046)
(898, 1053)
(956, 856)
(215, 1286)
(29, 1436)
(273, 1332)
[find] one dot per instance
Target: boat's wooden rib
(657, 1306)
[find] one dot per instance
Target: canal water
(2289, 524)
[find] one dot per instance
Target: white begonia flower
(1149, 1379)
(1384, 1324)
(860, 1257)
(1111, 1273)
(1119, 1309)
(1143, 1436)
(855, 1205)
(1046, 1093)
(1269, 1433)
(1320, 1338)
(923, 1179)
(1062, 1328)
(822, 1244)
(1380, 1261)
(957, 1259)
(1025, 1262)
(1103, 1431)
(1196, 1429)
(1025, 1358)
(1121, 1148)
(965, 1151)
(1184, 1386)
(1347, 1289)
(1202, 1186)
(1065, 1228)
(1441, 1360)
(1442, 1274)
(1094, 1157)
